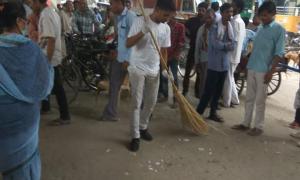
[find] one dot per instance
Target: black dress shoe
(216, 118)
(134, 145)
(145, 135)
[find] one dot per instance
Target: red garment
(177, 39)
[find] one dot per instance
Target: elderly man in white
(230, 94)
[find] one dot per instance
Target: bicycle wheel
(181, 69)
(71, 79)
(275, 83)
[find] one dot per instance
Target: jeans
(163, 86)
(212, 92)
(297, 116)
(61, 98)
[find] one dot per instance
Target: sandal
(59, 122)
(294, 125)
(240, 127)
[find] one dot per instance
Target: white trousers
(144, 89)
(230, 94)
(256, 95)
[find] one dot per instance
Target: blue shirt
(250, 35)
(218, 50)
(124, 21)
(268, 43)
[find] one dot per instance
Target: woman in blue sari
(25, 79)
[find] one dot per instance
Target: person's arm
(216, 43)
(133, 40)
(135, 34)
(50, 47)
(279, 52)
(163, 61)
(48, 36)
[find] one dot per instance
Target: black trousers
(212, 91)
(297, 116)
(59, 92)
(190, 62)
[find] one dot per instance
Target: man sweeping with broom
(145, 66)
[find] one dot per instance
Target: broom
(190, 118)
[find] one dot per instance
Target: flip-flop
(59, 122)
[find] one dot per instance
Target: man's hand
(268, 77)
(165, 74)
(125, 65)
(145, 28)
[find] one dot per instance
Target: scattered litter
(278, 152)
(201, 149)
(134, 154)
(126, 173)
(210, 153)
(157, 163)
(150, 168)
(156, 171)
(161, 160)
(108, 150)
(179, 139)
(186, 140)
(149, 162)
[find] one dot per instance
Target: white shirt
(239, 31)
(66, 22)
(218, 16)
(50, 26)
(144, 55)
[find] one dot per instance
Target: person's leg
(137, 81)
(46, 105)
(250, 98)
(61, 98)
(163, 86)
(297, 116)
(173, 64)
(227, 90)
(150, 94)
(261, 97)
(221, 76)
(117, 76)
(188, 68)
(202, 71)
(235, 94)
(208, 91)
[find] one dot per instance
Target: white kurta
(239, 30)
(230, 94)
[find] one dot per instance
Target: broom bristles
(190, 118)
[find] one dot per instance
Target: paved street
(93, 150)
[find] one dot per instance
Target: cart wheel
(275, 83)
(240, 82)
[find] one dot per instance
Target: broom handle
(157, 47)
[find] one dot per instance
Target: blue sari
(26, 78)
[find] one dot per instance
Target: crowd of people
(32, 48)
